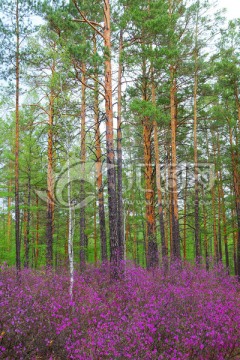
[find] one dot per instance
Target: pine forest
(119, 180)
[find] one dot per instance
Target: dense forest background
(120, 132)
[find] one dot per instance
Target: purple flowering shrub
(186, 313)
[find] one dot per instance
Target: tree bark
(205, 232)
(37, 234)
(50, 181)
(28, 218)
(83, 165)
(236, 187)
(119, 155)
(185, 218)
(152, 252)
(158, 180)
(173, 182)
(9, 221)
(17, 209)
(111, 171)
(196, 185)
(99, 181)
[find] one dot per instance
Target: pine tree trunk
(225, 237)
(235, 239)
(152, 255)
(185, 218)
(37, 234)
(17, 209)
(119, 156)
(9, 221)
(83, 164)
(99, 182)
(158, 180)
(50, 182)
(95, 233)
(196, 185)
(28, 218)
(205, 232)
(170, 201)
(236, 187)
(220, 216)
(173, 183)
(215, 239)
(111, 172)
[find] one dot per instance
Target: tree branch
(93, 26)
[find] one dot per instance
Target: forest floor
(184, 313)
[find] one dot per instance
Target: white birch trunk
(70, 228)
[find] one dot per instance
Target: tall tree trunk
(119, 155)
(234, 226)
(111, 171)
(173, 183)
(50, 181)
(196, 185)
(99, 181)
(95, 233)
(152, 254)
(223, 210)
(17, 209)
(166, 202)
(151, 241)
(236, 187)
(83, 164)
(220, 216)
(71, 224)
(28, 218)
(170, 200)
(213, 200)
(215, 239)
(158, 178)
(185, 217)
(225, 237)
(205, 232)
(37, 234)
(9, 221)
(135, 243)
